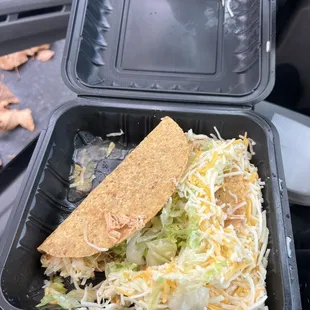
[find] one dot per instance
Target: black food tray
(43, 203)
(195, 51)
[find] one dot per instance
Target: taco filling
(205, 249)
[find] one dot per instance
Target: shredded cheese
(115, 134)
(91, 244)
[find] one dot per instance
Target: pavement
(40, 88)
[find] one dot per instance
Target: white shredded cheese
(110, 149)
(229, 8)
(288, 245)
(91, 244)
(115, 134)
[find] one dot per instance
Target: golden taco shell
(127, 198)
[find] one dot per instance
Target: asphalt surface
(40, 88)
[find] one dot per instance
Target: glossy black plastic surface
(208, 51)
(43, 203)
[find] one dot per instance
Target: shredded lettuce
(154, 297)
(55, 286)
(135, 250)
(160, 251)
(120, 249)
(185, 299)
(114, 267)
(160, 241)
(214, 271)
(152, 231)
(65, 301)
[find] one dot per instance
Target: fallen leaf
(6, 97)
(11, 156)
(10, 119)
(45, 55)
(32, 51)
(12, 61)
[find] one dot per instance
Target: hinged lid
(197, 51)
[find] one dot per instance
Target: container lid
(195, 51)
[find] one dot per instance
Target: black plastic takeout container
(203, 67)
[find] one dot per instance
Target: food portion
(205, 249)
(127, 198)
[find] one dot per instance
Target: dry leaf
(45, 55)
(6, 97)
(10, 119)
(32, 51)
(12, 61)
(11, 156)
